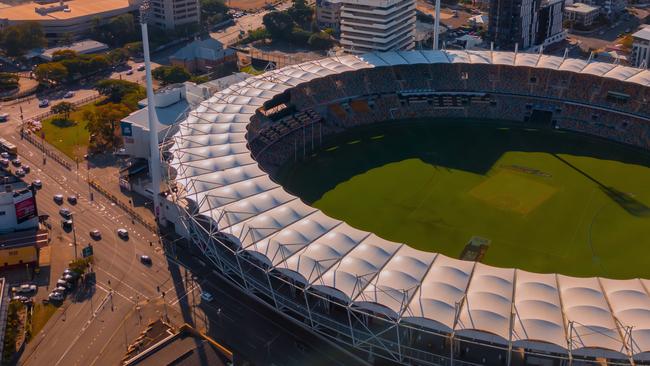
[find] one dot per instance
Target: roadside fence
(47, 150)
(126, 207)
(76, 103)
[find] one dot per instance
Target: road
(251, 21)
(30, 108)
(94, 327)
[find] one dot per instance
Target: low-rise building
(609, 8)
(207, 55)
(640, 56)
(581, 14)
(74, 18)
(83, 47)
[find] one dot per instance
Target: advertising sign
(25, 206)
(127, 129)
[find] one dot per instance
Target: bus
(8, 147)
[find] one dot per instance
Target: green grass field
(548, 201)
(70, 138)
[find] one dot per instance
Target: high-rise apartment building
(530, 24)
(169, 14)
(328, 14)
(377, 25)
(640, 56)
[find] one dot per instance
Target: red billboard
(25, 206)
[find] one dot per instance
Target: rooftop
(643, 33)
(81, 47)
(78, 8)
(581, 8)
(207, 49)
(184, 348)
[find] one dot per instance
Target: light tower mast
(436, 26)
(154, 159)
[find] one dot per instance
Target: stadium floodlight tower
(436, 26)
(154, 159)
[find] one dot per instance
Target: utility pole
(154, 159)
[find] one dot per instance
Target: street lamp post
(74, 235)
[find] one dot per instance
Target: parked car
(4, 155)
(129, 72)
(62, 282)
(16, 162)
(4, 162)
(37, 184)
(206, 296)
(61, 289)
(43, 103)
(67, 223)
(123, 233)
(70, 272)
(69, 94)
(4, 117)
(141, 67)
(145, 259)
(25, 288)
(56, 296)
(19, 298)
(65, 212)
(69, 278)
(58, 198)
(72, 199)
(27, 168)
(20, 172)
(95, 234)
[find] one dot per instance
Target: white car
(123, 233)
(65, 212)
(4, 117)
(206, 296)
(56, 296)
(141, 67)
(69, 94)
(43, 103)
(37, 184)
(4, 155)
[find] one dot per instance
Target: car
(145, 259)
(58, 198)
(56, 296)
(68, 278)
(43, 103)
(70, 272)
(95, 234)
(69, 94)
(72, 199)
(24, 288)
(206, 296)
(4, 163)
(129, 72)
(19, 173)
(27, 168)
(65, 212)
(16, 162)
(61, 289)
(62, 282)
(4, 155)
(37, 184)
(19, 298)
(4, 117)
(67, 223)
(141, 67)
(123, 233)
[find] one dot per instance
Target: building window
(2, 213)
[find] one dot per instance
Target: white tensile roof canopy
(548, 312)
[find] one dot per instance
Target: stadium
(386, 298)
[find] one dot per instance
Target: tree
(116, 90)
(51, 73)
(213, 12)
(64, 108)
(64, 55)
(8, 81)
(17, 39)
(117, 56)
(300, 12)
(278, 23)
(320, 40)
(171, 74)
(103, 124)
